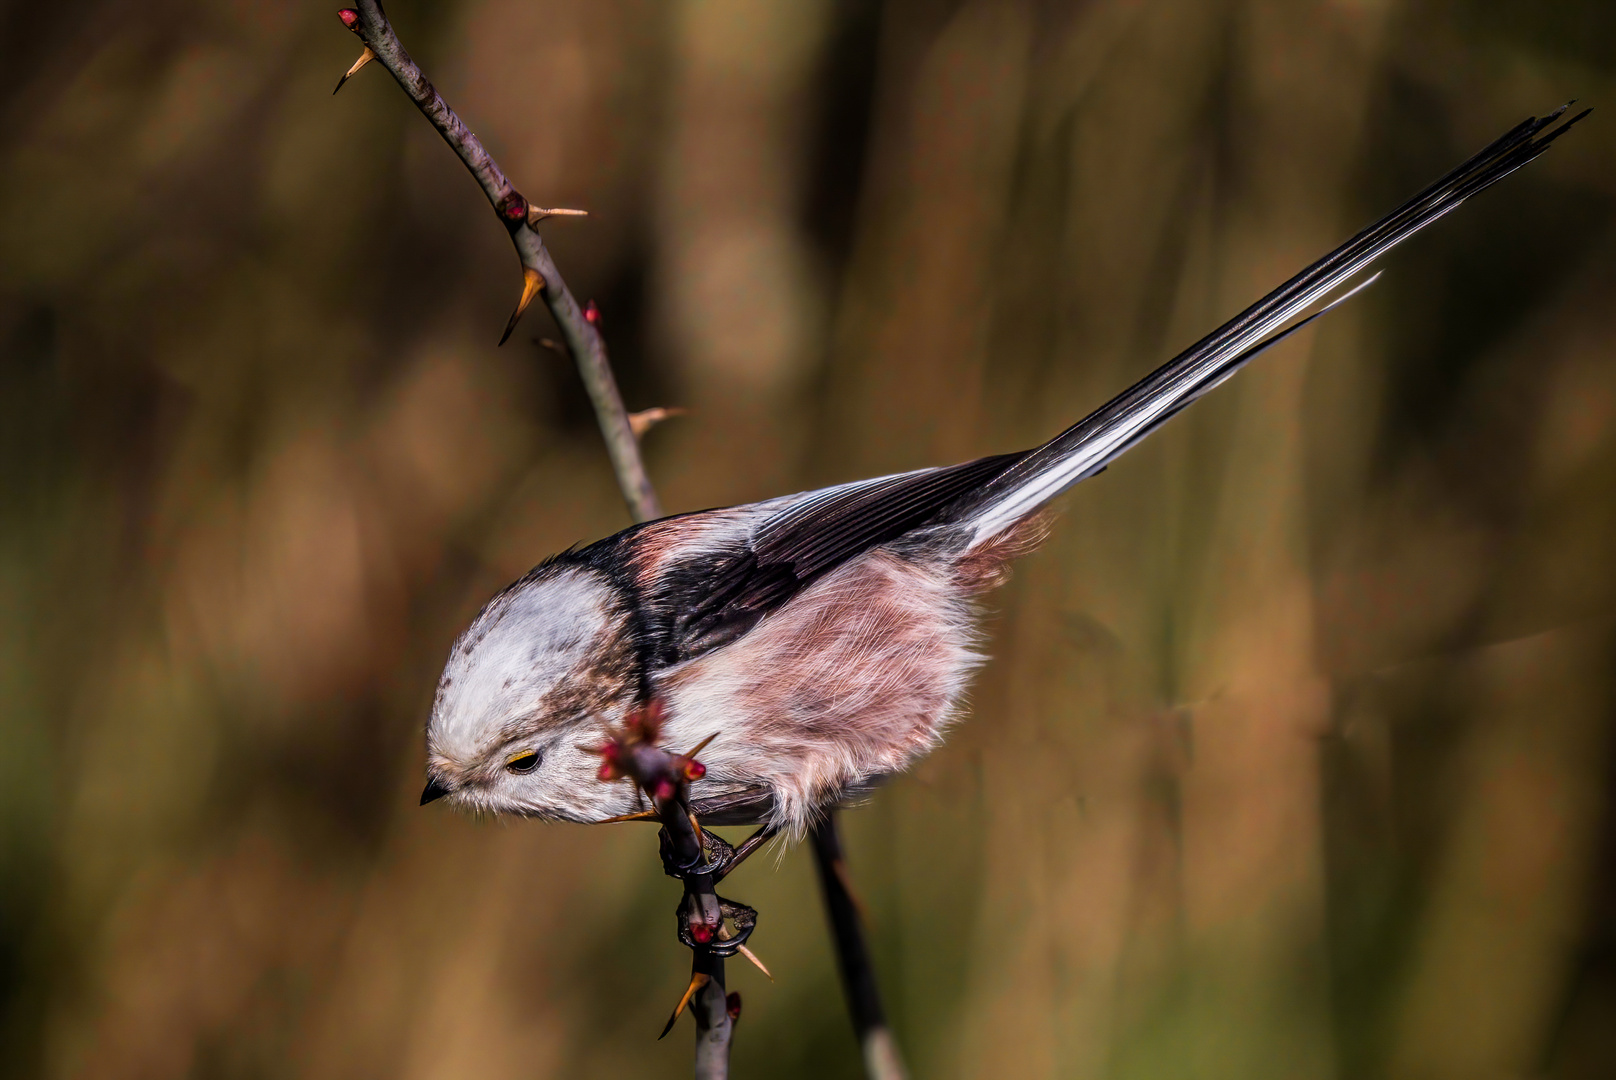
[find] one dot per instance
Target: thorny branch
(539, 274)
(714, 928)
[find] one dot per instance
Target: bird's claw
(716, 857)
(736, 923)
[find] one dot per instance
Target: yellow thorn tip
(643, 815)
(532, 282)
(646, 419)
(699, 747)
(364, 58)
(697, 981)
(536, 214)
(758, 963)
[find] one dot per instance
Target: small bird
(822, 640)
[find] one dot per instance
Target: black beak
(434, 790)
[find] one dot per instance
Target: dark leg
(881, 1060)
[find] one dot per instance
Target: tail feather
(1092, 443)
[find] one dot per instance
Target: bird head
(545, 670)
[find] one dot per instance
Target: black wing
(710, 600)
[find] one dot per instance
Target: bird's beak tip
(434, 790)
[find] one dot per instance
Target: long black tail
(1093, 442)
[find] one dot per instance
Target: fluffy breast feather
(852, 680)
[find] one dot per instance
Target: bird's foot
(725, 937)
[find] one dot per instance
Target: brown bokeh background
(1295, 758)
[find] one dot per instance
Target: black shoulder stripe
(721, 595)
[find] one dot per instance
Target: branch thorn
(698, 979)
(645, 420)
(532, 282)
(699, 747)
(750, 955)
(695, 827)
(643, 815)
(536, 214)
(364, 58)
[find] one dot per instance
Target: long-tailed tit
(827, 636)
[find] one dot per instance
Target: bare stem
(714, 1029)
(539, 270)
(881, 1059)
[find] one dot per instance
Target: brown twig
(539, 274)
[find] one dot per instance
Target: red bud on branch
(512, 209)
(631, 750)
(612, 767)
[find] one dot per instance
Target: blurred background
(1296, 756)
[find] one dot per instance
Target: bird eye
(524, 762)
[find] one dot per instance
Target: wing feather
(712, 596)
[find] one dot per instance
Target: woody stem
(583, 339)
(880, 1052)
